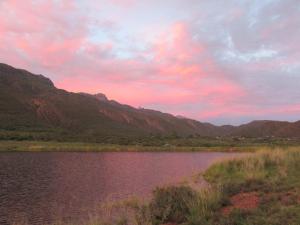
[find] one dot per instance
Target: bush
(171, 204)
(203, 208)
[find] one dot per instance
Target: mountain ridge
(30, 101)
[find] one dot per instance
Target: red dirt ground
(243, 201)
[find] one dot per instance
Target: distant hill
(32, 103)
(267, 128)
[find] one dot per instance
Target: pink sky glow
(225, 62)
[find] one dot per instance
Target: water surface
(43, 187)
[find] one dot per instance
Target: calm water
(43, 187)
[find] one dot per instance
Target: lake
(43, 187)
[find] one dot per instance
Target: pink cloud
(178, 68)
(246, 110)
(180, 71)
(41, 31)
(163, 80)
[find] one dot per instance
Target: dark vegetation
(175, 144)
(171, 204)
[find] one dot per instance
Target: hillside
(31, 103)
(267, 128)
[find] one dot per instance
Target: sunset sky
(225, 62)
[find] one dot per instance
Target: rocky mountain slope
(32, 102)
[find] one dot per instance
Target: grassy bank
(44, 146)
(260, 189)
(57, 140)
(263, 189)
(40, 146)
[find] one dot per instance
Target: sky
(224, 62)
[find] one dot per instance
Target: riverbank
(260, 189)
(51, 146)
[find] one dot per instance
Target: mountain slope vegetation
(31, 104)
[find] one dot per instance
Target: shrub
(203, 208)
(171, 204)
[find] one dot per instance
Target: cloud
(225, 62)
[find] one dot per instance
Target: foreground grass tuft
(171, 204)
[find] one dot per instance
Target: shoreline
(52, 146)
(239, 190)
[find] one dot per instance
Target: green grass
(40, 146)
(273, 175)
(53, 146)
(78, 138)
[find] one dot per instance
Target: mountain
(31, 103)
(267, 128)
